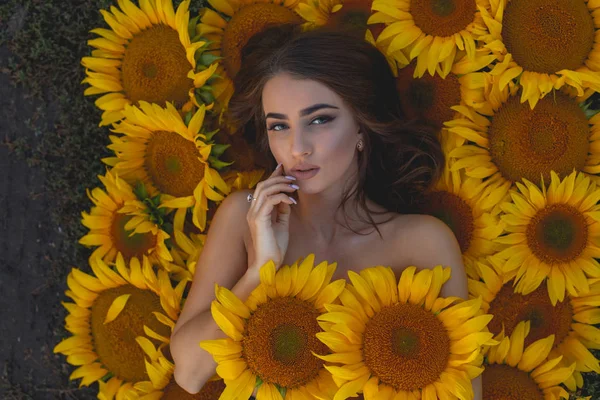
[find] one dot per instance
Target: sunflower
(147, 55)
(429, 97)
(400, 340)
(546, 44)
(233, 23)
(350, 15)
(211, 390)
(118, 317)
(569, 321)
(188, 242)
(243, 180)
(470, 207)
(170, 157)
(272, 337)
(507, 136)
(516, 371)
(553, 234)
(120, 224)
(430, 31)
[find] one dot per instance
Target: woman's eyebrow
(303, 113)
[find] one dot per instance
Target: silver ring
(250, 198)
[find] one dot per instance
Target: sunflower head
(544, 45)
(470, 207)
(516, 371)
(553, 234)
(172, 156)
(121, 223)
(506, 137)
(211, 390)
(428, 97)
(150, 53)
(568, 321)
(433, 32)
(120, 317)
(398, 338)
(272, 337)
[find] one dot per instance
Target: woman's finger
(261, 185)
(267, 207)
(271, 190)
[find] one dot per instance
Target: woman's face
(307, 122)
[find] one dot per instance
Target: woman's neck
(316, 216)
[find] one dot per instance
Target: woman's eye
(272, 127)
(324, 119)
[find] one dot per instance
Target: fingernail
(278, 165)
(293, 201)
(291, 178)
(295, 186)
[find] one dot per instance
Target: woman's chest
(351, 254)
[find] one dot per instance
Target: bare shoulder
(237, 207)
(424, 236)
(422, 223)
(236, 204)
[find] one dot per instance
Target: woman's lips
(304, 175)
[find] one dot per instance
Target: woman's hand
(269, 217)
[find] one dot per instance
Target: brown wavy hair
(401, 159)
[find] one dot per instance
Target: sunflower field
(512, 86)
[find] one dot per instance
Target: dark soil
(50, 151)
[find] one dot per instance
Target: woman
(324, 106)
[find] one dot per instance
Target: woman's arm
(223, 260)
(434, 243)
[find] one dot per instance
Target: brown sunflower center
(280, 336)
(287, 342)
(510, 308)
(405, 342)
(210, 391)
(443, 17)
(547, 36)
(172, 163)
(247, 21)
(354, 15)
(429, 97)
(114, 342)
(503, 382)
(244, 156)
(527, 143)
(135, 245)
(557, 233)
(155, 67)
(455, 212)
(406, 347)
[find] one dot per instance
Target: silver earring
(359, 145)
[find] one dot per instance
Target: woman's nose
(300, 144)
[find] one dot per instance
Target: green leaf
(140, 190)
(590, 113)
(192, 26)
(213, 78)
(168, 227)
(210, 134)
(281, 390)
(218, 149)
(218, 164)
(106, 377)
(188, 117)
(207, 97)
(258, 381)
(198, 98)
(207, 58)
